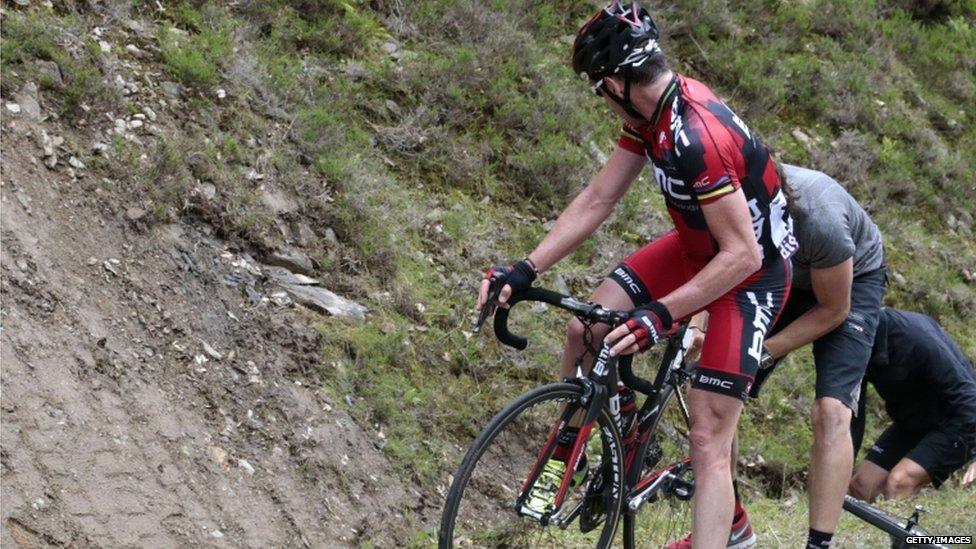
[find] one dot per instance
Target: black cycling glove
(649, 323)
(518, 275)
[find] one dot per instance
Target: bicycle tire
(605, 429)
(887, 523)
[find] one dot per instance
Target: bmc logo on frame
(936, 540)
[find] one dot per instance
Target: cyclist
(839, 281)
(729, 252)
(929, 389)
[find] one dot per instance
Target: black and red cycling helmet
(617, 37)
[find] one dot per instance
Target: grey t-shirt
(830, 226)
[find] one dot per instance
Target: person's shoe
(542, 498)
(741, 536)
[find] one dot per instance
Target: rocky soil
(159, 386)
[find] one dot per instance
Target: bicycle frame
(599, 391)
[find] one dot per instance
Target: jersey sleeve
(631, 140)
(706, 159)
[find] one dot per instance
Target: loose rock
(52, 72)
(323, 300)
(243, 464)
(27, 98)
(803, 138)
(284, 276)
(135, 214)
(292, 260)
(134, 51)
(171, 89)
(211, 351)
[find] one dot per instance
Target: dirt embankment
(152, 396)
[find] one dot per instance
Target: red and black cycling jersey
(701, 151)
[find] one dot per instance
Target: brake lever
(486, 310)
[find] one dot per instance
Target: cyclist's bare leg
(713, 421)
(610, 295)
(868, 481)
(831, 463)
(905, 480)
(734, 457)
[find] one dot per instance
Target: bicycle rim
(665, 517)
(480, 508)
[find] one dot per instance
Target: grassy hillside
(421, 141)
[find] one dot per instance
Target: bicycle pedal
(681, 488)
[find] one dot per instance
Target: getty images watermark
(939, 540)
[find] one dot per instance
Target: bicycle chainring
(593, 510)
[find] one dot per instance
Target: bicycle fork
(594, 398)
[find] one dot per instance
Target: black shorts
(941, 451)
(841, 356)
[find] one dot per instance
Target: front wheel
(481, 506)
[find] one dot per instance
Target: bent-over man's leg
(610, 295)
(841, 358)
(831, 462)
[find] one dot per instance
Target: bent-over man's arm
(832, 288)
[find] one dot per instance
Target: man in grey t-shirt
(838, 285)
(830, 227)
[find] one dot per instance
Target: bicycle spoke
(486, 516)
(665, 518)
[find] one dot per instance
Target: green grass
(453, 152)
(30, 38)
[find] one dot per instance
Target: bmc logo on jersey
(674, 188)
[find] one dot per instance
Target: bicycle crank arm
(564, 521)
(644, 495)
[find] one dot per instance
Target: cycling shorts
(737, 321)
(941, 451)
(841, 355)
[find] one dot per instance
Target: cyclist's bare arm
(698, 325)
(738, 257)
(832, 288)
(583, 215)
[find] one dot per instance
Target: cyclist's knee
(575, 332)
(831, 418)
(708, 446)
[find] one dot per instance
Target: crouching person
(929, 389)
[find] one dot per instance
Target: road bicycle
(898, 530)
(629, 465)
